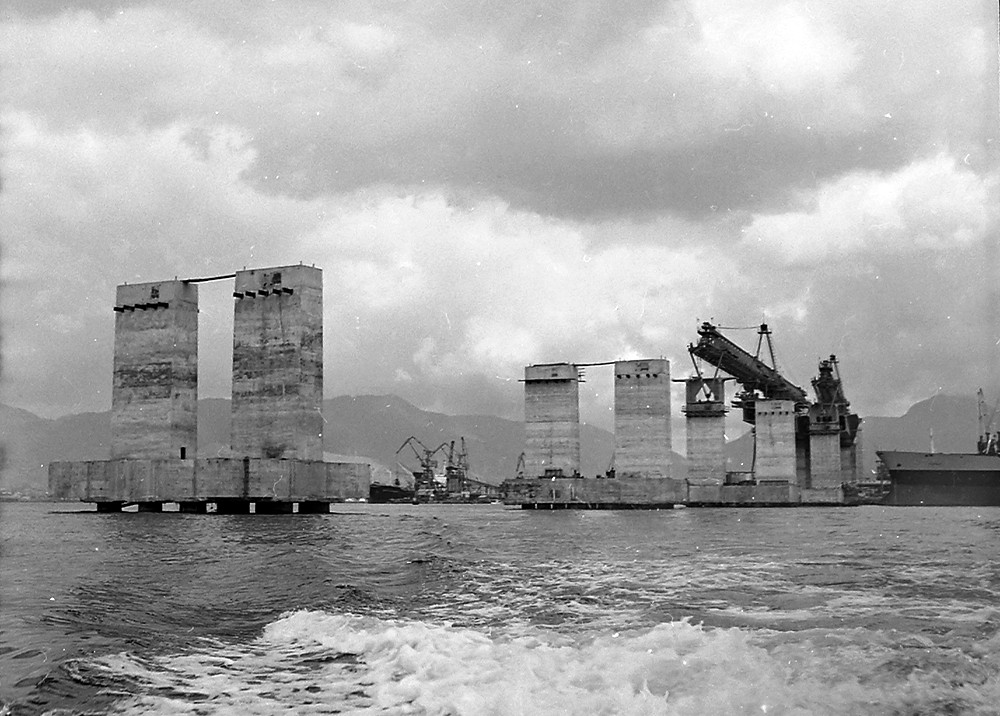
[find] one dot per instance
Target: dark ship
(945, 479)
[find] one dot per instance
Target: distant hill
(953, 419)
(375, 426)
(370, 426)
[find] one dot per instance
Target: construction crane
(425, 486)
(831, 401)
(519, 470)
(456, 469)
(987, 443)
(759, 380)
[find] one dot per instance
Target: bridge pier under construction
(805, 452)
(276, 456)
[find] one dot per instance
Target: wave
(318, 662)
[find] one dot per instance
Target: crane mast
(759, 380)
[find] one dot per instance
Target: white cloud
(787, 48)
(443, 167)
(934, 203)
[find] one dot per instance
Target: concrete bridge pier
(150, 507)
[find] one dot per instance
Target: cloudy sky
(488, 185)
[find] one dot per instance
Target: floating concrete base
(274, 508)
(596, 506)
(193, 508)
(245, 480)
(596, 493)
(232, 507)
(314, 508)
(658, 493)
(825, 496)
(150, 507)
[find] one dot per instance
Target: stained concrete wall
(824, 460)
(774, 494)
(775, 439)
(642, 418)
(824, 496)
(849, 462)
(127, 480)
(594, 491)
(286, 480)
(278, 363)
(551, 419)
(154, 397)
(705, 431)
(175, 480)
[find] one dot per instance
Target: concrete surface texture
(278, 363)
(208, 480)
(775, 436)
(824, 460)
(551, 419)
(154, 397)
(642, 418)
(705, 431)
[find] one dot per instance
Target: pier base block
(150, 507)
(314, 508)
(274, 508)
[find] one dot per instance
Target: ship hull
(942, 479)
(382, 494)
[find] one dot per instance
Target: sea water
(482, 609)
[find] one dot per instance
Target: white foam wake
(315, 662)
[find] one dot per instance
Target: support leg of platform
(232, 507)
(274, 508)
(314, 508)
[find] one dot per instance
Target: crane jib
(748, 370)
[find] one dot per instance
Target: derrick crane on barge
(759, 380)
(830, 414)
(425, 483)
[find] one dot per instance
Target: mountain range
(375, 427)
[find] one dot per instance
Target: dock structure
(277, 445)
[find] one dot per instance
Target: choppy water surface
(455, 609)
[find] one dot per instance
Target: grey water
(483, 609)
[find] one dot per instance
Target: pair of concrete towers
(642, 419)
(277, 367)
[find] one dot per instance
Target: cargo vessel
(929, 478)
(932, 478)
